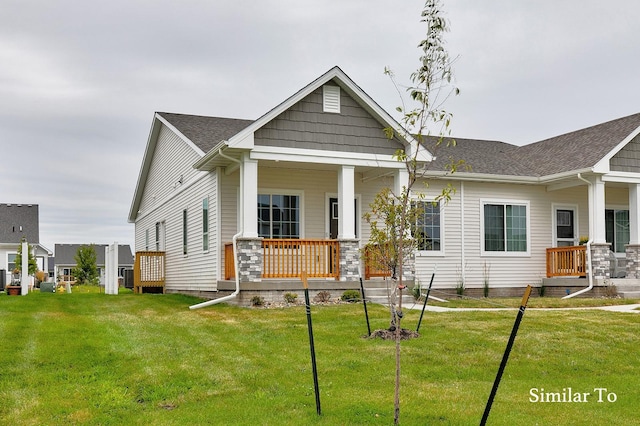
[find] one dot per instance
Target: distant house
(65, 259)
(290, 189)
(18, 222)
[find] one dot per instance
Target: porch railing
(149, 270)
(567, 261)
(287, 258)
(372, 265)
(229, 264)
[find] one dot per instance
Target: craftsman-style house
(289, 189)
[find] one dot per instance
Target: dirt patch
(387, 334)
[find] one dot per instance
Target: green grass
(89, 358)
(534, 302)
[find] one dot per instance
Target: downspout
(589, 267)
(234, 241)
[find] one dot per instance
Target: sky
(80, 80)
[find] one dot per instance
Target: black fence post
(364, 302)
(311, 345)
(505, 357)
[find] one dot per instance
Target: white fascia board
(622, 177)
(602, 166)
(325, 157)
(480, 177)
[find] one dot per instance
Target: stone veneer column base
(349, 260)
(600, 264)
(249, 259)
(633, 260)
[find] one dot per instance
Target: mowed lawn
(148, 360)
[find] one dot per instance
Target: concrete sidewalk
(615, 308)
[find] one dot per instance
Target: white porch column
(249, 197)
(597, 215)
(400, 180)
(634, 211)
(346, 208)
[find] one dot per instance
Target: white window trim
(554, 227)
(298, 192)
(505, 202)
(433, 253)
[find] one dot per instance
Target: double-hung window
(428, 226)
(278, 215)
(505, 227)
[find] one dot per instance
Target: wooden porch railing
(567, 262)
(229, 264)
(287, 258)
(372, 266)
(149, 270)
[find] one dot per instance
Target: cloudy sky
(80, 80)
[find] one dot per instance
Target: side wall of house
(163, 202)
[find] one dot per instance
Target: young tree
(33, 265)
(394, 214)
(86, 270)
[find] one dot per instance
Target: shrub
(351, 296)
(323, 296)
(257, 301)
(290, 297)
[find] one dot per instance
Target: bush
(290, 297)
(323, 296)
(257, 301)
(351, 296)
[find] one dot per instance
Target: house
(289, 189)
(65, 255)
(18, 222)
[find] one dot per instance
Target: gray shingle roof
(572, 151)
(65, 254)
(205, 132)
(19, 221)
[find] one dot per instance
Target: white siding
(504, 270)
(172, 159)
(164, 199)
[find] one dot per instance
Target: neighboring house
(18, 222)
(65, 258)
(291, 188)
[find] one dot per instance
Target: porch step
(629, 294)
(379, 295)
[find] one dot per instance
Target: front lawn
(86, 358)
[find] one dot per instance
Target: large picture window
(427, 230)
(617, 229)
(278, 216)
(505, 227)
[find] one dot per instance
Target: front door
(565, 227)
(333, 217)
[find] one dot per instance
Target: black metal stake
(364, 302)
(505, 357)
(425, 300)
(311, 345)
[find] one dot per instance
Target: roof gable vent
(331, 99)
